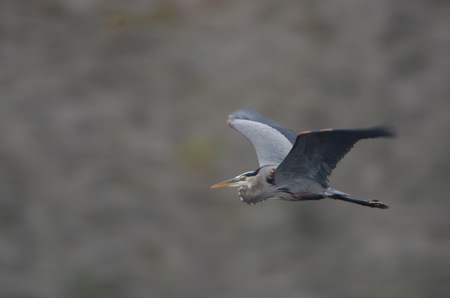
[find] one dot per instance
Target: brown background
(112, 129)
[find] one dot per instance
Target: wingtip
(244, 113)
(388, 130)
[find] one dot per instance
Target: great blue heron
(295, 167)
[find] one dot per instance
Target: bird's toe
(377, 204)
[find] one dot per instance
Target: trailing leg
(368, 203)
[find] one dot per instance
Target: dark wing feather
(272, 142)
(315, 154)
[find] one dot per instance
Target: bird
(295, 167)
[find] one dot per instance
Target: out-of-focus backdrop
(112, 129)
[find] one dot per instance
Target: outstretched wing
(316, 153)
(272, 142)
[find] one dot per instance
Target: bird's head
(239, 180)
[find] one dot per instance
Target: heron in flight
(295, 167)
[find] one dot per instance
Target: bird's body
(295, 167)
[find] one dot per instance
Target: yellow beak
(230, 183)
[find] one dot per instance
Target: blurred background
(112, 129)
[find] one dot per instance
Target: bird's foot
(377, 204)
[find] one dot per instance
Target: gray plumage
(295, 167)
(271, 141)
